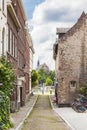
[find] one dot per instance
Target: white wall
(3, 24)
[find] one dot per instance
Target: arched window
(3, 40)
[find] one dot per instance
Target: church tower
(38, 64)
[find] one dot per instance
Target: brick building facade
(13, 26)
(16, 47)
(27, 68)
(71, 58)
(22, 54)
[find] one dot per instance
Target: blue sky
(44, 16)
(29, 6)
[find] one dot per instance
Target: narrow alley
(43, 117)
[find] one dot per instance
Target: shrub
(49, 82)
(34, 77)
(83, 89)
(6, 77)
(4, 112)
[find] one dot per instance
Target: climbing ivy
(6, 87)
(4, 112)
(6, 77)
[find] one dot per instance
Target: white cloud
(46, 18)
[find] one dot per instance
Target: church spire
(38, 63)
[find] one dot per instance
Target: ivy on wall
(6, 87)
(4, 112)
(6, 77)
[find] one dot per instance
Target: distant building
(44, 67)
(38, 64)
(32, 51)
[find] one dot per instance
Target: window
(12, 47)
(73, 83)
(3, 2)
(21, 60)
(73, 86)
(8, 39)
(3, 40)
(61, 52)
(12, 43)
(15, 47)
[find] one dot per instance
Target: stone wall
(72, 55)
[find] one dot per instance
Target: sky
(44, 16)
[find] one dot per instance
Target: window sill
(12, 56)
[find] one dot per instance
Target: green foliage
(6, 76)
(83, 89)
(43, 75)
(52, 75)
(34, 78)
(4, 112)
(49, 82)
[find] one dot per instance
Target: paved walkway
(19, 117)
(43, 117)
(76, 121)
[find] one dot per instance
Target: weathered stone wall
(72, 56)
(56, 66)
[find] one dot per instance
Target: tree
(42, 75)
(34, 78)
(52, 75)
(49, 82)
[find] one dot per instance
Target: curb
(51, 102)
(21, 123)
(72, 128)
(61, 116)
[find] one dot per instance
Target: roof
(61, 30)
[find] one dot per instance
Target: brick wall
(27, 57)
(72, 59)
(19, 63)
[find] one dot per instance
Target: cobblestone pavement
(43, 117)
(19, 117)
